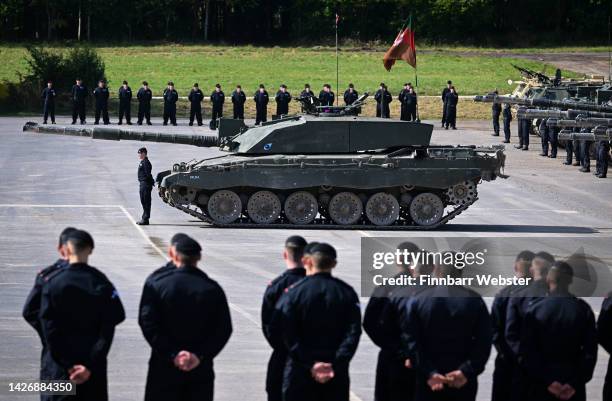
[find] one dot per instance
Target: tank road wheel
(382, 209)
(426, 209)
(224, 206)
(462, 193)
(264, 207)
(301, 207)
(345, 208)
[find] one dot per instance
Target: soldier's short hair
(142, 150)
(351, 85)
(261, 86)
(449, 82)
(294, 246)
(561, 273)
(80, 240)
(218, 86)
(238, 86)
(283, 86)
(327, 86)
(306, 86)
(195, 85)
(525, 255)
(545, 256)
(170, 83)
(145, 83)
(63, 237)
(125, 83)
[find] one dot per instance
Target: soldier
(410, 104)
(326, 96)
(448, 339)
(604, 335)
(450, 117)
(585, 149)
(505, 365)
(507, 113)
(195, 98)
(400, 97)
(559, 348)
(125, 103)
(496, 109)
(101, 95)
(48, 96)
(144, 103)
(78, 95)
(601, 166)
(572, 148)
(170, 99)
(145, 180)
(544, 136)
(169, 264)
(307, 92)
(293, 254)
(238, 100)
(350, 95)
(383, 98)
(261, 105)
(217, 98)
(185, 318)
(553, 139)
(282, 101)
(319, 321)
(79, 310)
(445, 91)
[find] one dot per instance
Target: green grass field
(249, 66)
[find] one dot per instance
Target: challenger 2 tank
(325, 168)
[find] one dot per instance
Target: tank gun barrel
(580, 123)
(116, 134)
(544, 103)
(559, 114)
(598, 134)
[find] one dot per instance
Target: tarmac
(52, 182)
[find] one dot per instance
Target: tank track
(325, 224)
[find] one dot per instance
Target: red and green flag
(403, 48)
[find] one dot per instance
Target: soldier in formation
(261, 105)
(101, 95)
(144, 96)
(217, 98)
(78, 97)
(450, 107)
(282, 98)
(350, 95)
(238, 100)
(145, 181)
(496, 110)
(408, 100)
(125, 103)
(383, 98)
(326, 96)
(170, 99)
(48, 96)
(195, 99)
(445, 92)
(507, 117)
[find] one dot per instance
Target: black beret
(142, 150)
(145, 83)
(238, 86)
(261, 86)
(307, 86)
(217, 86)
(176, 238)
(124, 82)
(188, 246)
(295, 241)
(308, 248)
(324, 249)
(63, 238)
(81, 238)
(170, 83)
(351, 86)
(196, 84)
(449, 82)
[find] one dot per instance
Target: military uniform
(450, 116)
(278, 359)
(496, 109)
(145, 180)
(604, 335)
(572, 148)
(261, 106)
(217, 99)
(238, 100)
(125, 105)
(327, 98)
(78, 96)
(525, 131)
(601, 166)
(585, 154)
(195, 98)
(79, 311)
(544, 129)
(319, 320)
(445, 91)
(282, 103)
(101, 96)
(409, 103)
(170, 99)
(507, 113)
(144, 105)
(183, 309)
(383, 98)
(350, 97)
(48, 96)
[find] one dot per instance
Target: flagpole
(337, 69)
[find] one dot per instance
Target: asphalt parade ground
(50, 182)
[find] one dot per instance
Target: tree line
(474, 22)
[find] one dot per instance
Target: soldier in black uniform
(448, 340)
(294, 251)
(507, 113)
(145, 179)
(282, 99)
(544, 129)
(195, 98)
(184, 315)
(572, 148)
(585, 149)
(445, 91)
(604, 335)
(261, 105)
(48, 96)
(452, 98)
(101, 95)
(307, 92)
(319, 321)
(410, 104)
(144, 103)
(79, 311)
(217, 98)
(78, 96)
(170, 99)
(326, 96)
(496, 109)
(505, 365)
(559, 348)
(170, 264)
(383, 98)
(601, 166)
(400, 97)
(238, 100)
(350, 95)
(125, 103)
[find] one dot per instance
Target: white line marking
(143, 233)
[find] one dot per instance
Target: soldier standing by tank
(544, 135)
(101, 95)
(217, 98)
(383, 98)
(507, 113)
(496, 109)
(79, 310)
(184, 316)
(326, 96)
(559, 351)
(238, 100)
(78, 95)
(350, 95)
(144, 96)
(553, 139)
(307, 92)
(524, 130)
(319, 321)
(261, 105)
(400, 97)
(125, 103)
(585, 149)
(445, 91)
(572, 148)
(603, 151)
(604, 336)
(292, 255)
(282, 101)
(195, 98)
(145, 180)
(410, 104)
(452, 98)
(48, 96)
(170, 99)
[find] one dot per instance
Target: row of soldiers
(434, 340)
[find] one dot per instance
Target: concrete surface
(52, 182)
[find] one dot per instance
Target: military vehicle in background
(324, 168)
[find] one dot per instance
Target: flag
(403, 48)
(337, 19)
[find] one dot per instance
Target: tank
(325, 168)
